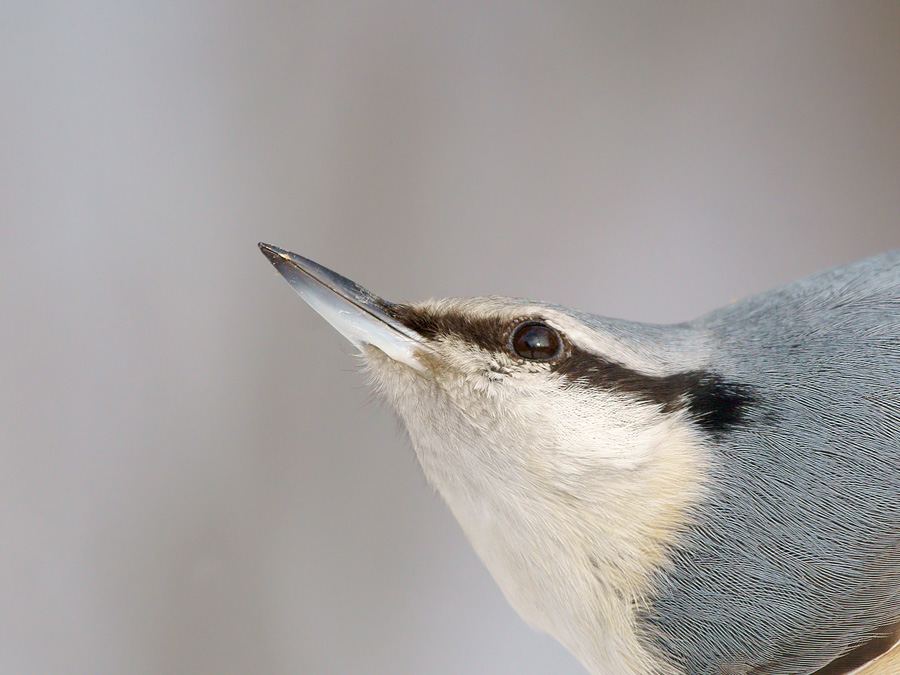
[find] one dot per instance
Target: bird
(714, 497)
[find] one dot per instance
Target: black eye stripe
(714, 403)
(484, 332)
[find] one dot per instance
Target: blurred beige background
(193, 479)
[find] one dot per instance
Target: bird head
(562, 443)
(661, 499)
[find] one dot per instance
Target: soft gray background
(192, 476)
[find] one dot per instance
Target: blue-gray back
(794, 557)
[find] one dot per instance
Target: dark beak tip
(273, 253)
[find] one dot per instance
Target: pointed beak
(357, 314)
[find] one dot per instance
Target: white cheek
(585, 428)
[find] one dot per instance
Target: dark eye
(536, 341)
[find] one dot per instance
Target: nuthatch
(717, 497)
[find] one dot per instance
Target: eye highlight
(535, 341)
